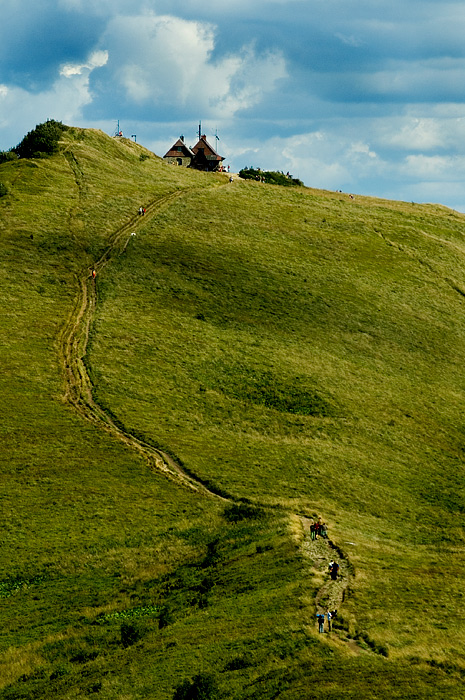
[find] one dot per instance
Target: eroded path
(320, 552)
(78, 392)
(73, 346)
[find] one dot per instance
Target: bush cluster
(41, 141)
(7, 155)
(271, 177)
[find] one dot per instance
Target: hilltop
(248, 358)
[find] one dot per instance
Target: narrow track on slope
(332, 593)
(73, 342)
(78, 393)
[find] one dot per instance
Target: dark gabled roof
(174, 151)
(208, 151)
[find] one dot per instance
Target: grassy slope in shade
(292, 347)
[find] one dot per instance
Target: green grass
(289, 347)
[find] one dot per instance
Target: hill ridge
(295, 354)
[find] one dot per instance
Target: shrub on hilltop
(7, 155)
(271, 177)
(41, 141)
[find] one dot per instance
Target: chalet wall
(178, 160)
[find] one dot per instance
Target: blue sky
(364, 96)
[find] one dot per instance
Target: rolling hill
(248, 358)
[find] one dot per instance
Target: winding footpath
(73, 346)
(78, 392)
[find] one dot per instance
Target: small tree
(41, 141)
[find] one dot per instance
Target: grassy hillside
(296, 352)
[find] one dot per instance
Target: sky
(363, 96)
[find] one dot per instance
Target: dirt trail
(320, 552)
(78, 393)
(331, 594)
(73, 346)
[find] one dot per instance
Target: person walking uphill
(321, 622)
(329, 616)
(334, 570)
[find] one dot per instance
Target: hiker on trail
(316, 526)
(329, 616)
(321, 622)
(323, 531)
(312, 531)
(334, 570)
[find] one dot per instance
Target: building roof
(179, 149)
(208, 151)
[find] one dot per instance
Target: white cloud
(96, 60)
(434, 168)
(321, 159)
(21, 110)
(443, 130)
(168, 60)
(361, 151)
(418, 134)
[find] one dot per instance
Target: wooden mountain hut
(205, 156)
(179, 153)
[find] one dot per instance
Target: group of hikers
(330, 615)
(318, 529)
